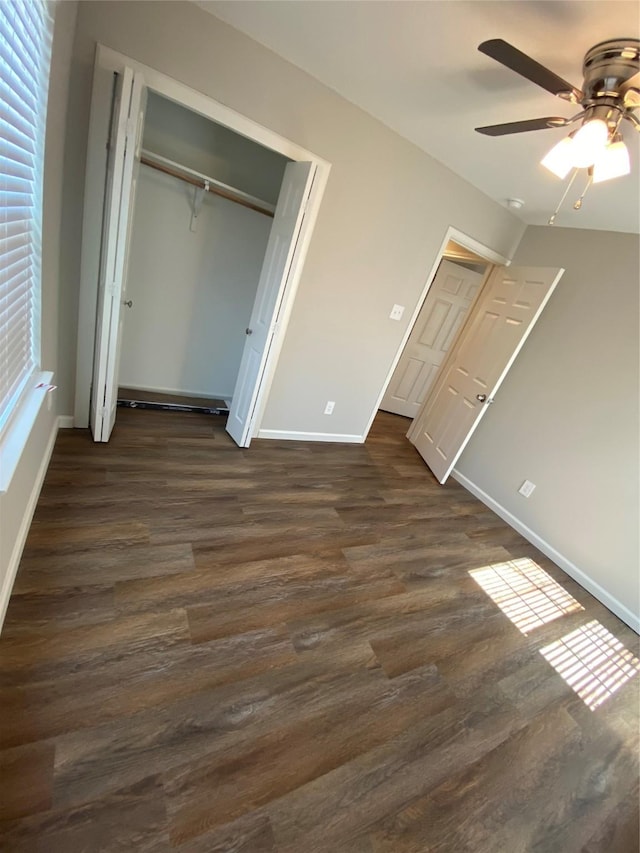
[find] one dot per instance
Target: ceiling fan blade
(522, 64)
(523, 126)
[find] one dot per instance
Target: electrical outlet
(396, 312)
(328, 409)
(526, 489)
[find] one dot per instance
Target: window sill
(18, 430)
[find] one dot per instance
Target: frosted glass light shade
(560, 159)
(612, 162)
(589, 142)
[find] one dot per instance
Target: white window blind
(25, 52)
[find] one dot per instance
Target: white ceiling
(415, 67)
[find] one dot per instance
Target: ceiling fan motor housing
(607, 66)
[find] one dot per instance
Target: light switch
(396, 312)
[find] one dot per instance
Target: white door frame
(108, 62)
(473, 245)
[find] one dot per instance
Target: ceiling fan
(609, 96)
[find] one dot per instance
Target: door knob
(481, 397)
(248, 331)
(128, 302)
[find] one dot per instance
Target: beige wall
(566, 417)
(385, 212)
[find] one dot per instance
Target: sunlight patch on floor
(593, 662)
(525, 593)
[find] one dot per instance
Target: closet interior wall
(192, 281)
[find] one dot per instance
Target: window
(25, 51)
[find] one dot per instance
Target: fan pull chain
(564, 195)
(578, 204)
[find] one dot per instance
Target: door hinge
(103, 412)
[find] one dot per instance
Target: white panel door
(124, 150)
(506, 311)
(283, 237)
(452, 292)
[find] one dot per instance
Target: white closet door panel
(287, 221)
(119, 309)
(127, 124)
(113, 195)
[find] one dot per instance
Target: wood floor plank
(91, 762)
(122, 687)
(251, 833)
(132, 819)
(326, 813)
(219, 580)
(479, 809)
(282, 649)
(105, 567)
(438, 634)
(63, 537)
(207, 793)
(48, 653)
(77, 605)
(271, 604)
(274, 544)
(26, 780)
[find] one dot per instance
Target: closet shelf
(204, 182)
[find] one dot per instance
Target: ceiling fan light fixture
(589, 142)
(560, 159)
(613, 162)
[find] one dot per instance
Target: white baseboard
(620, 610)
(65, 421)
(290, 435)
(177, 392)
(18, 546)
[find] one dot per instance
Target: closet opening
(196, 225)
(204, 204)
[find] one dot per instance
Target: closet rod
(197, 180)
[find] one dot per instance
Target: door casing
(108, 62)
(452, 235)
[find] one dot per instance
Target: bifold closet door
(283, 238)
(127, 122)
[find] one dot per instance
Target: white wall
(18, 502)
(192, 293)
(566, 417)
(384, 215)
(195, 141)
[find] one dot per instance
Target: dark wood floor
(210, 649)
